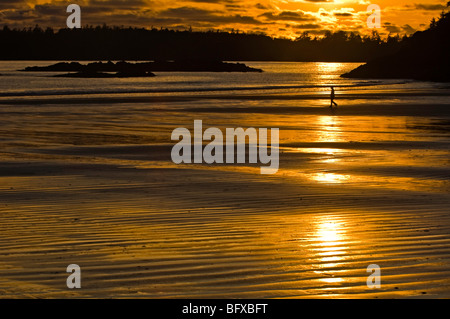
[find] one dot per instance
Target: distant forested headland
(119, 43)
(425, 56)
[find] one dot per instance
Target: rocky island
(143, 69)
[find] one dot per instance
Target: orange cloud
(281, 18)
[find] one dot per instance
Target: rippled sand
(93, 185)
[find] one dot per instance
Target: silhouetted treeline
(119, 43)
(424, 56)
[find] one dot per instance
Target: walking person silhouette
(332, 98)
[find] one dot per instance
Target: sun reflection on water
(328, 67)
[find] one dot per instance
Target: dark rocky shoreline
(424, 57)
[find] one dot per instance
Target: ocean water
(86, 177)
(278, 77)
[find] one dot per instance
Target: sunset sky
(280, 18)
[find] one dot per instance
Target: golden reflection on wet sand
(328, 129)
(146, 227)
(329, 246)
(330, 178)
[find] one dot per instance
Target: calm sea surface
(278, 77)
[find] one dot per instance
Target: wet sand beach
(91, 182)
